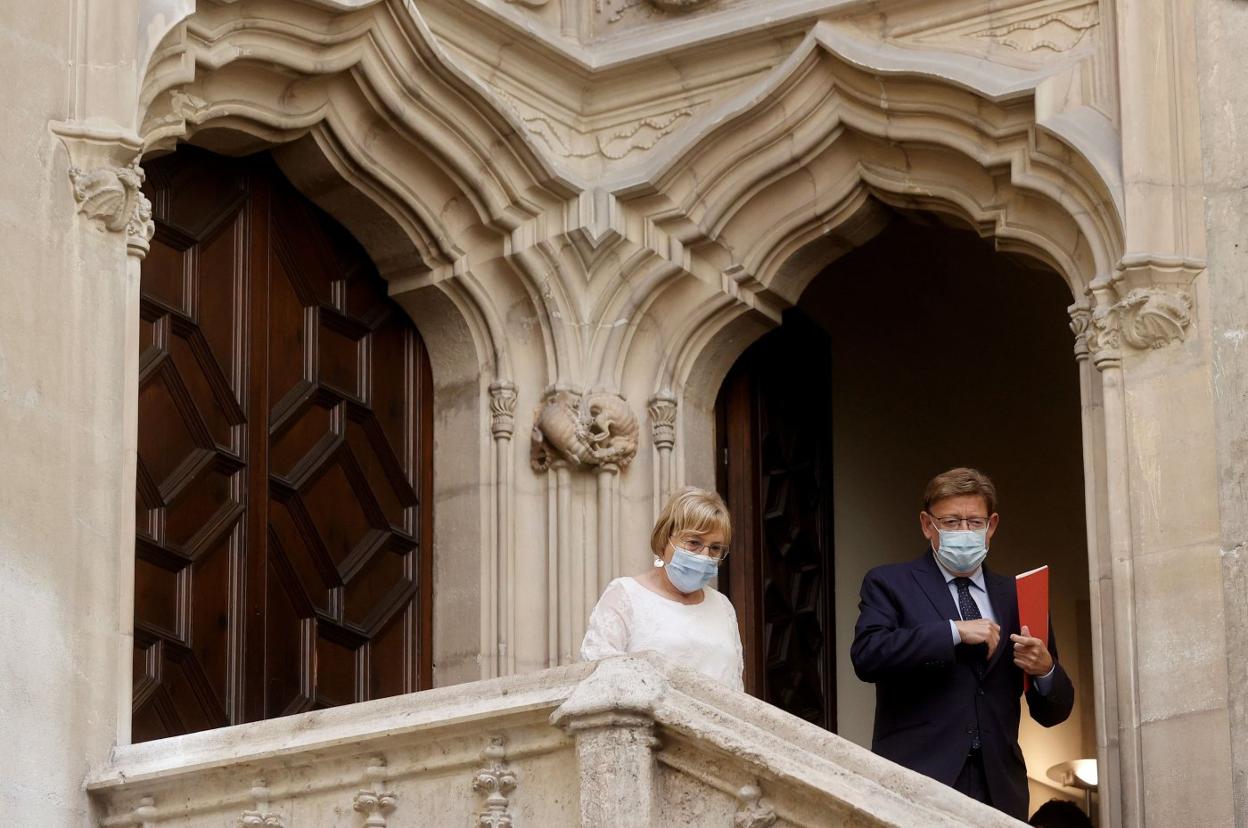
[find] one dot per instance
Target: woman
(670, 609)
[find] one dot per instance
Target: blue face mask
(689, 572)
(963, 550)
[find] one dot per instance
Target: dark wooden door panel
(282, 544)
(774, 417)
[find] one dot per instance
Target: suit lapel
(1004, 606)
(932, 581)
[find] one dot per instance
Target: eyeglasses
(716, 551)
(951, 523)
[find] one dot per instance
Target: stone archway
(645, 283)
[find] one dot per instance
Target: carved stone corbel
(260, 816)
(106, 180)
(373, 800)
(1144, 319)
(594, 430)
(496, 781)
(753, 813)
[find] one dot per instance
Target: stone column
(663, 430)
(1160, 510)
(503, 577)
(611, 716)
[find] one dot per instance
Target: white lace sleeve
(739, 668)
(609, 625)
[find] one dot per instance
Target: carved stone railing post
(663, 429)
(259, 815)
(503, 396)
(753, 813)
(496, 781)
(373, 800)
(611, 716)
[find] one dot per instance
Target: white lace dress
(630, 619)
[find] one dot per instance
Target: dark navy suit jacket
(930, 697)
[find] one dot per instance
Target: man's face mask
(962, 550)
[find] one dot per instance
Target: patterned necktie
(966, 604)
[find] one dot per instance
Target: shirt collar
(976, 577)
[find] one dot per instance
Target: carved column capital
(503, 396)
(1080, 323)
(662, 409)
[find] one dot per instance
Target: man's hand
(981, 631)
(1031, 654)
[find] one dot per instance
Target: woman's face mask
(689, 572)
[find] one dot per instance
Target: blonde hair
(690, 510)
(960, 481)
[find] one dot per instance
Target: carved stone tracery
(595, 430)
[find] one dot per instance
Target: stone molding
(597, 429)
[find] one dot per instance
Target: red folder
(1033, 606)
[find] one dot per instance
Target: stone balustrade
(629, 742)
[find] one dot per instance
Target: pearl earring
(658, 563)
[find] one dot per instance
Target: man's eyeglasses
(951, 523)
(716, 551)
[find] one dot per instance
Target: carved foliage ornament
(663, 421)
(111, 196)
(1146, 318)
(502, 410)
(595, 430)
(496, 781)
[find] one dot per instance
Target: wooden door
(774, 435)
(282, 557)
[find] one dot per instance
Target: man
(939, 637)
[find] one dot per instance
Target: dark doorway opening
(774, 413)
